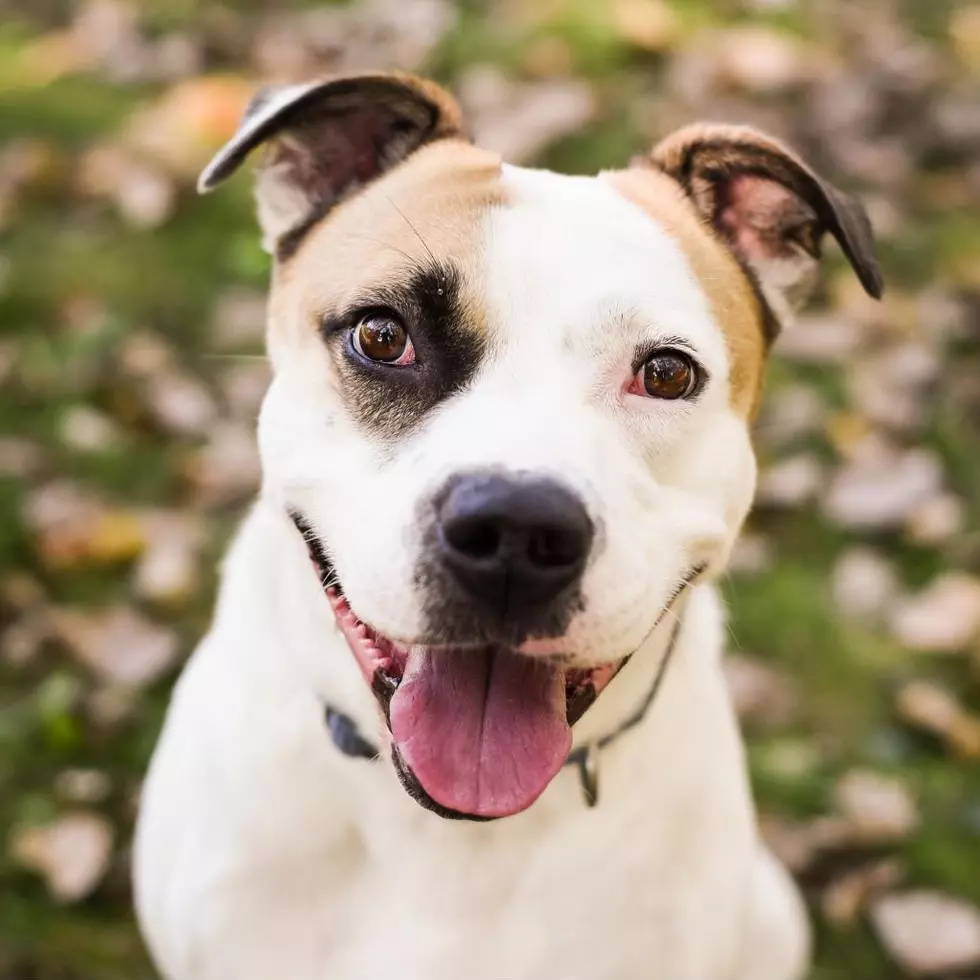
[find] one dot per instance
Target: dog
(461, 710)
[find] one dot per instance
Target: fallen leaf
(876, 807)
(142, 194)
(167, 571)
(935, 710)
(83, 785)
(21, 640)
(942, 618)
(752, 554)
(227, 468)
(519, 120)
(820, 339)
(650, 25)
(927, 706)
(844, 899)
(891, 388)
(118, 644)
(87, 430)
(143, 354)
(791, 482)
(964, 29)
(181, 130)
(72, 853)
(760, 59)
(19, 457)
(366, 36)
(182, 405)
(763, 695)
(928, 932)
(792, 412)
(936, 520)
(244, 387)
(863, 583)
(800, 844)
(881, 489)
(239, 319)
(72, 528)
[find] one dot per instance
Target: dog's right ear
(328, 138)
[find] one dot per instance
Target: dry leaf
(763, 696)
(791, 482)
(928, 932)
(519, 120)
(844, 899)
(863, 583)
(167, 572)
(942, 618)
(880, 490)
(118, 644)
(876, 807)
(72, 853)
(650, 25)
(72, 528)
(227, 468)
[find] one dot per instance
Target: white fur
(264, 854)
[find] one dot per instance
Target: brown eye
(382, 337)
(669, 375)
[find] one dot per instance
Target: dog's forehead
(573, 255)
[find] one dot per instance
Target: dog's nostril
(554, 548)
(479, 539)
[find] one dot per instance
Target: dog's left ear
(329, 138)
(770, 208)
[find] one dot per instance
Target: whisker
(394, 248)
(415, 230)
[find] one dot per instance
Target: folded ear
(769, 207)
(328, 138)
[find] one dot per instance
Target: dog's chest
(604, 895)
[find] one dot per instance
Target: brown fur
(734, 301)
(430, 207)
(423, 216)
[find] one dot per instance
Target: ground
(131, 368)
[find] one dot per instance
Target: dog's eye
(669, 374)
(383, 337)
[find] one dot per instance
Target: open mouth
(477, 731)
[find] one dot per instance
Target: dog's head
(511, 408)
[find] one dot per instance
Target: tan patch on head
(428, 210)
(733, 301)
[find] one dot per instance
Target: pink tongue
(484, 731)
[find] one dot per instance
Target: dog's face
(511, 408)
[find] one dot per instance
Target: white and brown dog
(509, 422)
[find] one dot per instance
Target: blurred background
(131, 317)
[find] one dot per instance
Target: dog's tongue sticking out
(484, 731)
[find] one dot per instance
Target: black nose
(513, 543)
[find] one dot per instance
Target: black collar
(349, 740)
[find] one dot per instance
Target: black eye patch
(450, 342)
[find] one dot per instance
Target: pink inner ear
(330, 159)
(757, 215)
